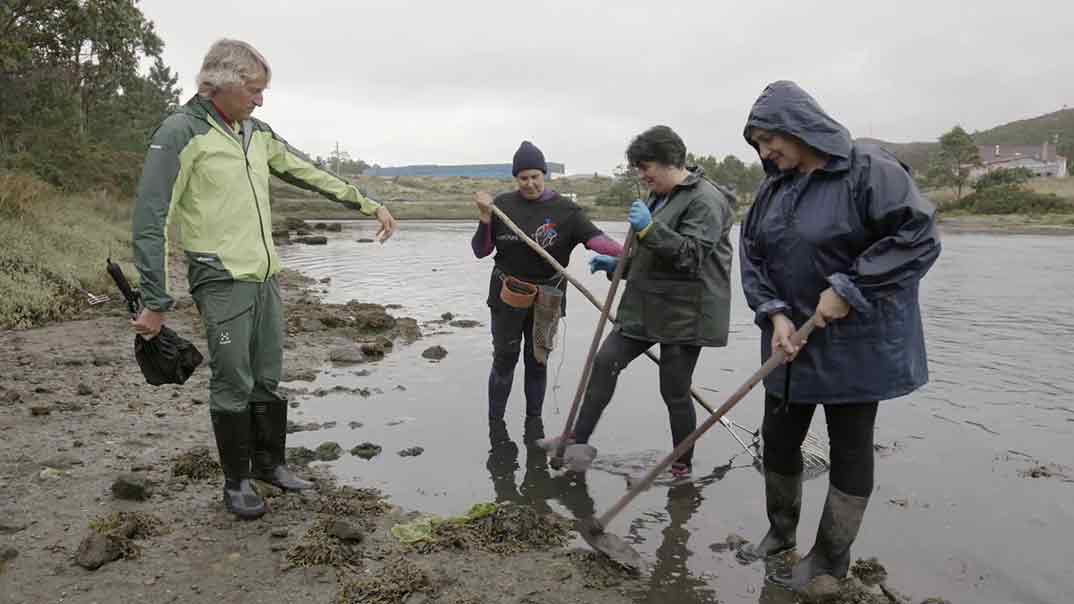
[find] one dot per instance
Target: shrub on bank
(53, 248)
(52, 157)
(1012, 199)
(1003, 177)
(19, 192)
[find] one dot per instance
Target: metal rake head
(94, 299)
(814, 451)
(815, 458)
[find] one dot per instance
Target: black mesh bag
(167, 358)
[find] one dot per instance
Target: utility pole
(337, 158)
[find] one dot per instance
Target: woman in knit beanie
(557, 224)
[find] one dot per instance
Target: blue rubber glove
(639, 216)
(600, 262)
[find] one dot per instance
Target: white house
(1041, 160)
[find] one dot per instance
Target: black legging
(850, 437)
(510, 326)
(677, 362)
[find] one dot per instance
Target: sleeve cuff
(366, 205)
(846, 289)
(769, 308)
(642, 233)
(158, 303)
(370, 207)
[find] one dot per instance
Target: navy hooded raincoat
(858, 225)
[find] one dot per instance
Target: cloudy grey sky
(403, 82)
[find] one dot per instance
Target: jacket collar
(203, 108)
(694, 176)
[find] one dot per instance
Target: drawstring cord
(782, 408)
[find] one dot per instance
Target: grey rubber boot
(270, 439)
(578, 457)
(783, 500)
(839, 524)
(551, 443)
(233, 441)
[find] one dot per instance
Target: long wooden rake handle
(594, 344)
(611, 316)
(646, 481)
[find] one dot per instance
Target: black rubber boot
(233, 441)
(839, 524)
(270, 431)
(533, 432)
(783, 500)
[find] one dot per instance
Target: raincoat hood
(784, 107)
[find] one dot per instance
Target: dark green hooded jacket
(678, 288)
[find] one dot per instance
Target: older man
(208, 168)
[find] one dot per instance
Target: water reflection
(670, 580)
(539, 483)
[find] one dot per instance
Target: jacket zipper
(260, 219)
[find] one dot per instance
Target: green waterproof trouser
(244, 329)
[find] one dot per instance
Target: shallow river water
(951, 514)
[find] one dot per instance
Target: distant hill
(915, 155)
(1032, 131)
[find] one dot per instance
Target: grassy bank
(53, 246)
(1056, 224)
(954, 216)
(1062, 187)
(424, 198)
(320, 209)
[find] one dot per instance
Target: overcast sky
(402, 82)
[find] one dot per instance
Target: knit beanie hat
(528, 157)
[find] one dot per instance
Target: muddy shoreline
(76, 416)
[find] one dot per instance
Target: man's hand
(387, 224)
(148, 323)
(831, 307)
(782, 330)
(484, 206)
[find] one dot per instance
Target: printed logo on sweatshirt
(546, 234)
(225, 337)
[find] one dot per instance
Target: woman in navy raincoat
(839, 229)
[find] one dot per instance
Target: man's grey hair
(231, 63)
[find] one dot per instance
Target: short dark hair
(658, 144)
